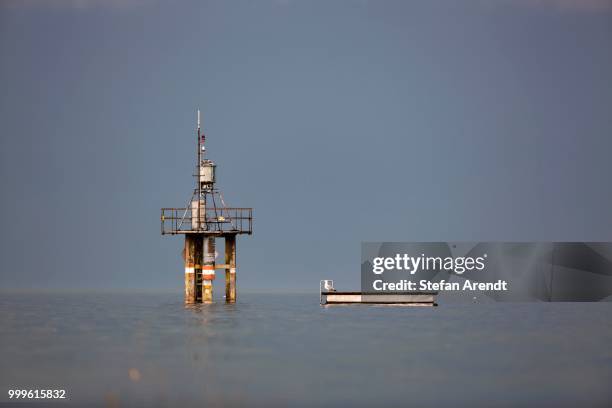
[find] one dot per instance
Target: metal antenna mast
(198, 184)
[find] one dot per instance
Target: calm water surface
(274, 350)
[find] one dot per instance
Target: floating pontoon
(330, 296)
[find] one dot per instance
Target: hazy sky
(338, 121)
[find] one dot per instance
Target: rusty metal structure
(205, 218)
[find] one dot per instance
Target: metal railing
(219, 220)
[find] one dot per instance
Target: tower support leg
(230, 271)
(198, 260)
(189, 256)
(208, 269)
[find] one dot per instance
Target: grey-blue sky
(340, 122)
